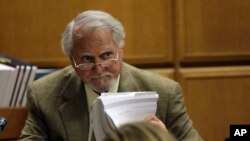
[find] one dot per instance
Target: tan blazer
(58, 107)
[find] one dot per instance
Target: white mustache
(101, 75)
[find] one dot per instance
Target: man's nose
(98, 68)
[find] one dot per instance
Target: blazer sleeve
(178, 120)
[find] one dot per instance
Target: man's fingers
(150, 117)
(155, 121)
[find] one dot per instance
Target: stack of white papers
(112, 110)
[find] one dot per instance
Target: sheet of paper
(112, 110)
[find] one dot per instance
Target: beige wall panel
(213, 30)
(31, 30)
(216, 98)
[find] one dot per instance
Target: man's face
(95, 47)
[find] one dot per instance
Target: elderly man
(60, 103)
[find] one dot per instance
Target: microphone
(3, 123)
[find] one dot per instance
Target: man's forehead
(94, 50)
(98, 52)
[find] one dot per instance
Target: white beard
(103, 87)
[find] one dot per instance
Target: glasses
(88, 66)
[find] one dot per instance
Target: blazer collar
(74, 112)
(73, 84)
(127, 81)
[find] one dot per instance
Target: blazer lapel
(127, 82)
(74, 112)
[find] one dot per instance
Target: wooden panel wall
(170, 73)
(212, 30)
(196, 38)
(32, 30)
(217, 97)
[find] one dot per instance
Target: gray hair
(92, 19)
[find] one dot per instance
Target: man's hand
(155, 121)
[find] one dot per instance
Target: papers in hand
(112, 110)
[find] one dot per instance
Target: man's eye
(107, 55)
(86, 59)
